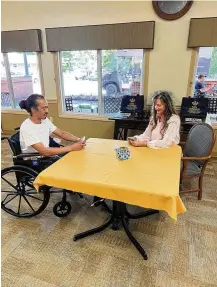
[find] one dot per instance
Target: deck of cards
(83, 140)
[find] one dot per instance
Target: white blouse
(154, 138)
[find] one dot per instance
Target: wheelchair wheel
(62, 208)
(19, 197)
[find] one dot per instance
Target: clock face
(171, 7)
(171, 10)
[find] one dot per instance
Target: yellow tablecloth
(150, 178)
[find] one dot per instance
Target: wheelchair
(19, 197)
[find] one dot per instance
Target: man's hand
(137, 143)
(77, 146)
(51, 151)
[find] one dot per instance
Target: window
(19, 80)
(94, 82)
(121, 75)
(207, 66)
(5, 94)
(80, 80)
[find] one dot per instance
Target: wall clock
(171, 10)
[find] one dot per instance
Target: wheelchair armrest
(27, 155)
(196, 158)
(34, 155)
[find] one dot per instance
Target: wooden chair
(196, 153)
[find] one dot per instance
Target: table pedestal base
(119, 215)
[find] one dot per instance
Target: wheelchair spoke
(6, 197)
(10, 191)
(19, 205)
(28, 203)
(34, 197)
(31, 191)
(14, 187)
(9, 199)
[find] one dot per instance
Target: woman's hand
(131, 139)
(137, 143)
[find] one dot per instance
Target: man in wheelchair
(33, 151)
(36, 130)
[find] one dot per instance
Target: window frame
(100, 116)
(193, 64)
(10, 82)
(192, 71)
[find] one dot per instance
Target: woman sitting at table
(164, 126)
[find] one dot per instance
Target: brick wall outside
(22, 86)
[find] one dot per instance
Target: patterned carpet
(40, 252)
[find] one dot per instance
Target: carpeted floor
(39, 252)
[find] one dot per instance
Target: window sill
(13, 111)
(85, 117)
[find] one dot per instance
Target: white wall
(169, 61)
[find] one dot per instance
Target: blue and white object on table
(122, 153)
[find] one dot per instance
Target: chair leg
(200, 188)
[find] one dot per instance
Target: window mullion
(196, 62)
(99, 74)
(9, 80)
(40, 69)
(142, 74)
(61, 83)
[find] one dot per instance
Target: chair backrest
(131, 104)
(14, 142)
(200, 141)
(194, 108)
(112, 104)
(68, 104)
